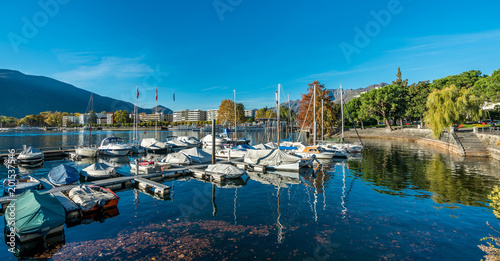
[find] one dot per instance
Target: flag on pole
(174, 94)
(156, 93)
(138, 91)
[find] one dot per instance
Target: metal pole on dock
(213, 141)
(278, 114)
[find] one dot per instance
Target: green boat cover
(34, 212)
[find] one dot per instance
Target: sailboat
(152, 144)
(89, 152)
(136, 148)
(349, 147)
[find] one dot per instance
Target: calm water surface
(399, 201)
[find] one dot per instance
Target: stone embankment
(464, 142)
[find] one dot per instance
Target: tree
(488, 88)
(306, 111)
(122, 117)
(8, 121)
(354, 108)
(54, 119)
(226, 112)
(261, 113)
(463, 80)
(381, 103)
(451, 105)
(417, 99)
(399, 81)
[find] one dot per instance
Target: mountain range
(27, 94)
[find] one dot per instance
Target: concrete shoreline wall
(492, 143)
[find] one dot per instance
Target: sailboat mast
(90, 121)
(156, 113)
(235, 131)
(314, 115)
(322, 121)
(278, 113)
(342, 111)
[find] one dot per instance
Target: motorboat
(207, 140)
(277, 160)
(35, 215)
(63, 175)
(145, 167)
(190, 140)
(18, 186)
(98, 171)
(114, 146)
(93, 198)
(31, 157)
(87, 152)
(314, 151)
(153, 145)
(229, 171)
(176, 144)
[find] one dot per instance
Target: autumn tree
(270, 114)
(54, 119)
(261, 113)
(226, 112)
(306, 111)
(122, 117)
(451, 105)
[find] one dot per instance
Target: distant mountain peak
(28, 94)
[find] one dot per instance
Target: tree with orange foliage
(306, 112)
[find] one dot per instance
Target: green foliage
(354, 108)
(488, 88)
(382, 103)
(494, 196)
(54, 119)
(122, 117)
(33, 120)
(463, 80)
(261, 113)
(8, 121)
(270, 114)
(451, 105)
(417, 99)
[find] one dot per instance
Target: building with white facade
(188, 115)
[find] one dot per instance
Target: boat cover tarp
(36, 213)
(278, 157)
(254, 156)
(177, 158)
(245, 147)
(272, 145)
(197, 156)
(208, 139)
(287, 148)
(261, 147)
(177, 143)
(87, 198)
(31, 151)
(152, 143)
(63, 174)
(227, 169)
(98, 167)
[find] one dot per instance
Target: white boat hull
(86, 152)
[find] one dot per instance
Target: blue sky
(207, 49)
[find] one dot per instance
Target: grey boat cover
(35, 213)
(197, 156)
(63, 174)
(229, 170)
(177, 143)
(99, 167)
(255, 156)
(177, 158)
(272, 145)
(87, 198)
(278, 157)
(30, 150)
(261, 147)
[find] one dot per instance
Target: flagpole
(173, 107)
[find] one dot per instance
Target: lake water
(399, 201)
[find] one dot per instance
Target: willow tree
(451, 105)
(306, 110)
(226, 112)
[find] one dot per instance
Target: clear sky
(207, 49)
